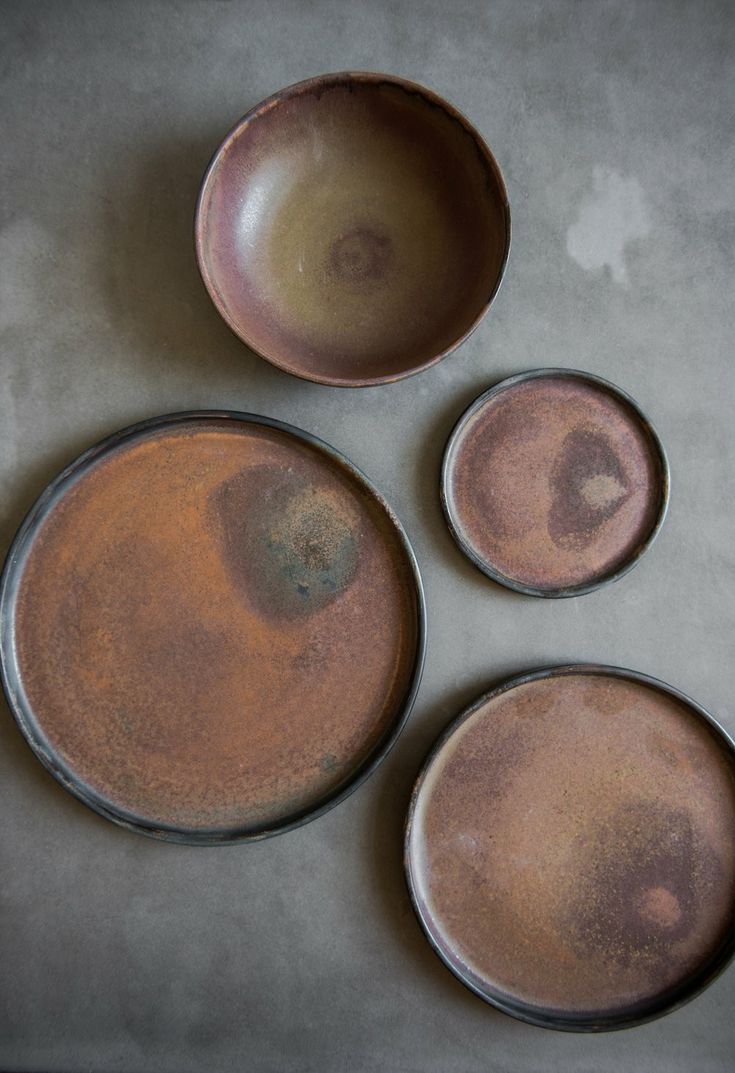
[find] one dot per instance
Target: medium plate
(554, 483)
(212, 627)
(570, 848)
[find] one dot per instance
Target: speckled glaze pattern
(571, 847)
(353, 229)
(554, 482)
(214, 628)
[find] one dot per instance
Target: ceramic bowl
(353, 229)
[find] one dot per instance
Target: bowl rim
(11, 678)
(306, 86)
(485, 565)
(669, 1001)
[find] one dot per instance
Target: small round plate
(570, 848)
(353, 229)
(211, 627)
(554, 483)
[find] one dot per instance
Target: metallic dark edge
(483, 564)
(321, 82)
(10, 677)
(554, 1019)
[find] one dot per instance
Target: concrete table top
(613, 126)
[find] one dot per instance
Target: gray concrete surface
(613, 124)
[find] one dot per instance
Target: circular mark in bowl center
(554, 482)
(361, 255)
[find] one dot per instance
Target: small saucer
(554, 483)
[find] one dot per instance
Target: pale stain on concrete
(609, 220)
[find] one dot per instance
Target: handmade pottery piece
(570, 848)
(353, 229)
(554, 483)
(211, 627)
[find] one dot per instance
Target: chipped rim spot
(555, 1019)
(447, 471)
(11, 677)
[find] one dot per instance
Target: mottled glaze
(353, 229)
(554, 482)
(216, 626)
(571, 847)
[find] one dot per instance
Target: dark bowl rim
(484, 565)
(11, 677)
(667, 1002)
(324, 81)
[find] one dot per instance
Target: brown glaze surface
(573, 844)
(352, 229)
(554, 482)
(215, 625)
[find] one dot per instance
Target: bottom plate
(212, 627)
(570, 848)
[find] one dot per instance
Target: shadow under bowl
(352, 229)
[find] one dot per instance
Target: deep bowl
(353, 229)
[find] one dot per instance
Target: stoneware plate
(570, 848)
(353, 229)
(554, 483)
(211, 627)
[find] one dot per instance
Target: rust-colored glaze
(353, 229)
(554, 482)
(572, 846)
(215, 626)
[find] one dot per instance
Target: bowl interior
(352, 229)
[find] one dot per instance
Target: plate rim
(668, 1001)
(11, 676)
(484, 565)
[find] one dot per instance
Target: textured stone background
(613, 124)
